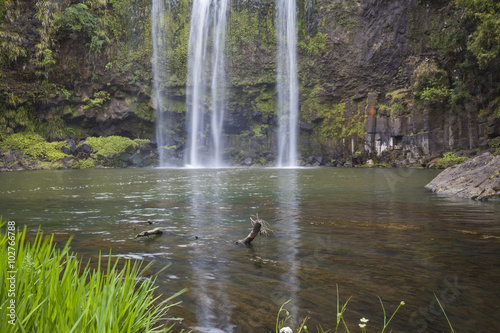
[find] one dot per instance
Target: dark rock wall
(367, 71)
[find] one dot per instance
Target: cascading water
(206, 38)
(159, 71)
(288, 90)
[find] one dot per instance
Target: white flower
(402, 302)
(363, 320)
(362, 325)
(286, 330)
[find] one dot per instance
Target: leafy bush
(34, 145)
(76, 19)
(99, 98)
(451, 159)
(52, 293)
(484, 44)
(107, 146)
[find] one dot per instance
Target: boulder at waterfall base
(478, 178)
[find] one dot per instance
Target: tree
(484, 43)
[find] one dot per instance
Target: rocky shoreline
(478, 178)
(79, 155)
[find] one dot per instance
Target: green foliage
(450, 159)
(434, 92)
(332, 120)
(333, 123)
(250, 43)
(485, 42)
(345, 14)
(55, 292)
(495, 142)
(107, 146)
(430, 83)
(97, 42)
(87, 163)
(394, 108)
(3, 8)
(55, 129)
(313, 45)
(177, 29)
(129, 29)
(281, 320)
(12, 117)
(77, 20)
(34, 145)
(470, 25)
(99, 98)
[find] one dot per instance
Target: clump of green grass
(450, 159)
(53, 293)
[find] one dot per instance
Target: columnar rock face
(378, 80)
(478, 178)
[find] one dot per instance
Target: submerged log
(259, 227)
(255, 231)
(155, 231)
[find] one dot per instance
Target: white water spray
(288, 86)
(206, 39)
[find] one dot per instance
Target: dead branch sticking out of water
(259, 227)
(155, 231)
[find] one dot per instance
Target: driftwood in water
(259, 227)
(255, 231)
(155, 231)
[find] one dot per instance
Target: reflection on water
(372, 232)
(288, 223)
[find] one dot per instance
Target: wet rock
(305, 126)
(66, 150)
(477, 178)
(356, 159)
(85, 149)
(136, 159)
(18, 166)
(247, 161)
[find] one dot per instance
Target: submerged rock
(477, 178)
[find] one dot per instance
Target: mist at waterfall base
(372, 232)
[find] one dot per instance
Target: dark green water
(372, 232)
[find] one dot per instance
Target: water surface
(372, 232)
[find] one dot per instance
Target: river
(371, 232)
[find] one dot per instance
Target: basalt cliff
(389, 82)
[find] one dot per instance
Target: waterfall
(288, 90)
(159, 71)
(206, 39)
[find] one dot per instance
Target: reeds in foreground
(44, 289)
(281, 320)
